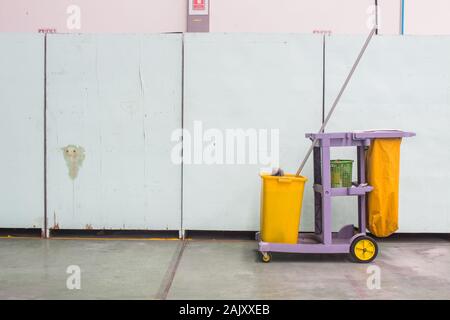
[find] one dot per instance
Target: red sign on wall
(198, 4)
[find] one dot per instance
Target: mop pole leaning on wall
(322, 128)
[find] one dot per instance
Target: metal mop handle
(337, 99)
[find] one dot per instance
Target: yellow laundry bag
(383, 170)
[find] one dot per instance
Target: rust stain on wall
(74, 156)
(88, 227)
(55, 224)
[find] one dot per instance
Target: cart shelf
(340, 192)
(309, 243)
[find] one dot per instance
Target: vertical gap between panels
(376, 16)
(402, 17)
(45, 232)
(182, 137)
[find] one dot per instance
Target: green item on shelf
(341, 173)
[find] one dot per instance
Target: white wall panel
(119, 98)
(248, 81)
(22, 130)
(404, 83)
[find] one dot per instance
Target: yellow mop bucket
(281, 206)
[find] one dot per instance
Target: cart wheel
(266, 257)
(364, 249)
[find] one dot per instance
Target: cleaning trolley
(378, 151)
(281, 204)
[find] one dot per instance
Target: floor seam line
(166, 284)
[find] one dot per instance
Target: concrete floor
(216, 269)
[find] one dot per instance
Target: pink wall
(304, 16)
(390, 13)
(427, 17)
(121, 16)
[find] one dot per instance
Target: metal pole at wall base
(336, 101)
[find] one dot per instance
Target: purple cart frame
(323, 240)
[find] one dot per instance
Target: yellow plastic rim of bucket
(286, 176)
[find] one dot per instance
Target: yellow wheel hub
(266, 257)
(364, 249)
